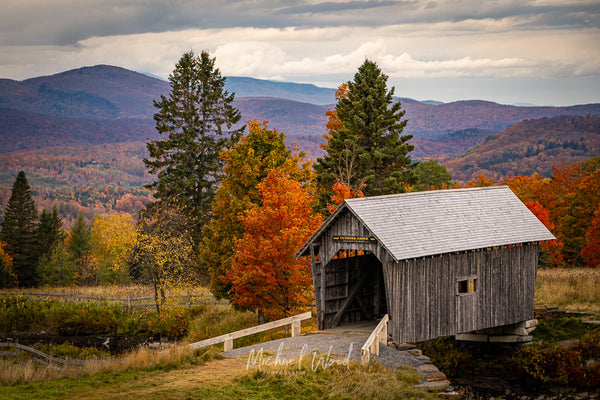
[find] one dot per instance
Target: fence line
(205, 299)
(45, 359)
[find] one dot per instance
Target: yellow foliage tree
(163, 254)
(246, 164)
(112, 238)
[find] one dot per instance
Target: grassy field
(572, 289)
(184, 374)
(132, 291)
(192, 377)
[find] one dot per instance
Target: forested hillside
(80, 135)
(531, 146)
(106, 104)
(91, 179)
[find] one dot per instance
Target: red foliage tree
(553, 248)
(591, 251)
(265, 275)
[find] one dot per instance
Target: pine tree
(49, 231)
(19, 231)
(197, 120)
(366, 150)
(79, 238)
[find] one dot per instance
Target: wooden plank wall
(423, 297)
(346, 225)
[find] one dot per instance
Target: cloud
(66, 22)
(477, 48)
(337, 7)
(313, 41)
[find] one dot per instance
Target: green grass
(62, 387)
(563, 329)
(338, 382)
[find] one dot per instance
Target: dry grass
(23, 369)
(573, 289)
(133, 291)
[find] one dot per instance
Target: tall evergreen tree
(79, 238)
(49, 231)
(366, 150)
(19, 231)
(197, 120)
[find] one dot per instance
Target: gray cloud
(69, 21)
(428, 42)
(329, 7)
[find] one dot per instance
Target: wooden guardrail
(45, 359)
(227, 339)
(379, 335)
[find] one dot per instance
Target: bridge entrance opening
(355, 289)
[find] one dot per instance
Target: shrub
(543, 364)
(446, 356)
(172, 323)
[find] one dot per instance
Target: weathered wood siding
(423, 297)
(346, 225)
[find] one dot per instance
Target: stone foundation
(514, 333)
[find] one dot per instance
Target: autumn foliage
(265, 275)
(342, 192)
(591, 251)
(262, 150)
(567, 203)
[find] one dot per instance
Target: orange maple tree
(333, 122)
(265, 275)
(342, 192)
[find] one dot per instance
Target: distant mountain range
(530, 146)
(107, 104)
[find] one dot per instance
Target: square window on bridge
(467, 285)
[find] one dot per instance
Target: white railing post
(379, 335)
(296, 328)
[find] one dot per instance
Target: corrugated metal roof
(421, 224)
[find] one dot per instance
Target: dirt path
(217, 372)
(319, 350)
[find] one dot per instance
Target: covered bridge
(438, 262)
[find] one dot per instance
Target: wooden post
(318, 283)
(365, 357)
(383, 334)
(228, 345)
(375, 338)
(296, 328)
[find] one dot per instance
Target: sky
(542, 52)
